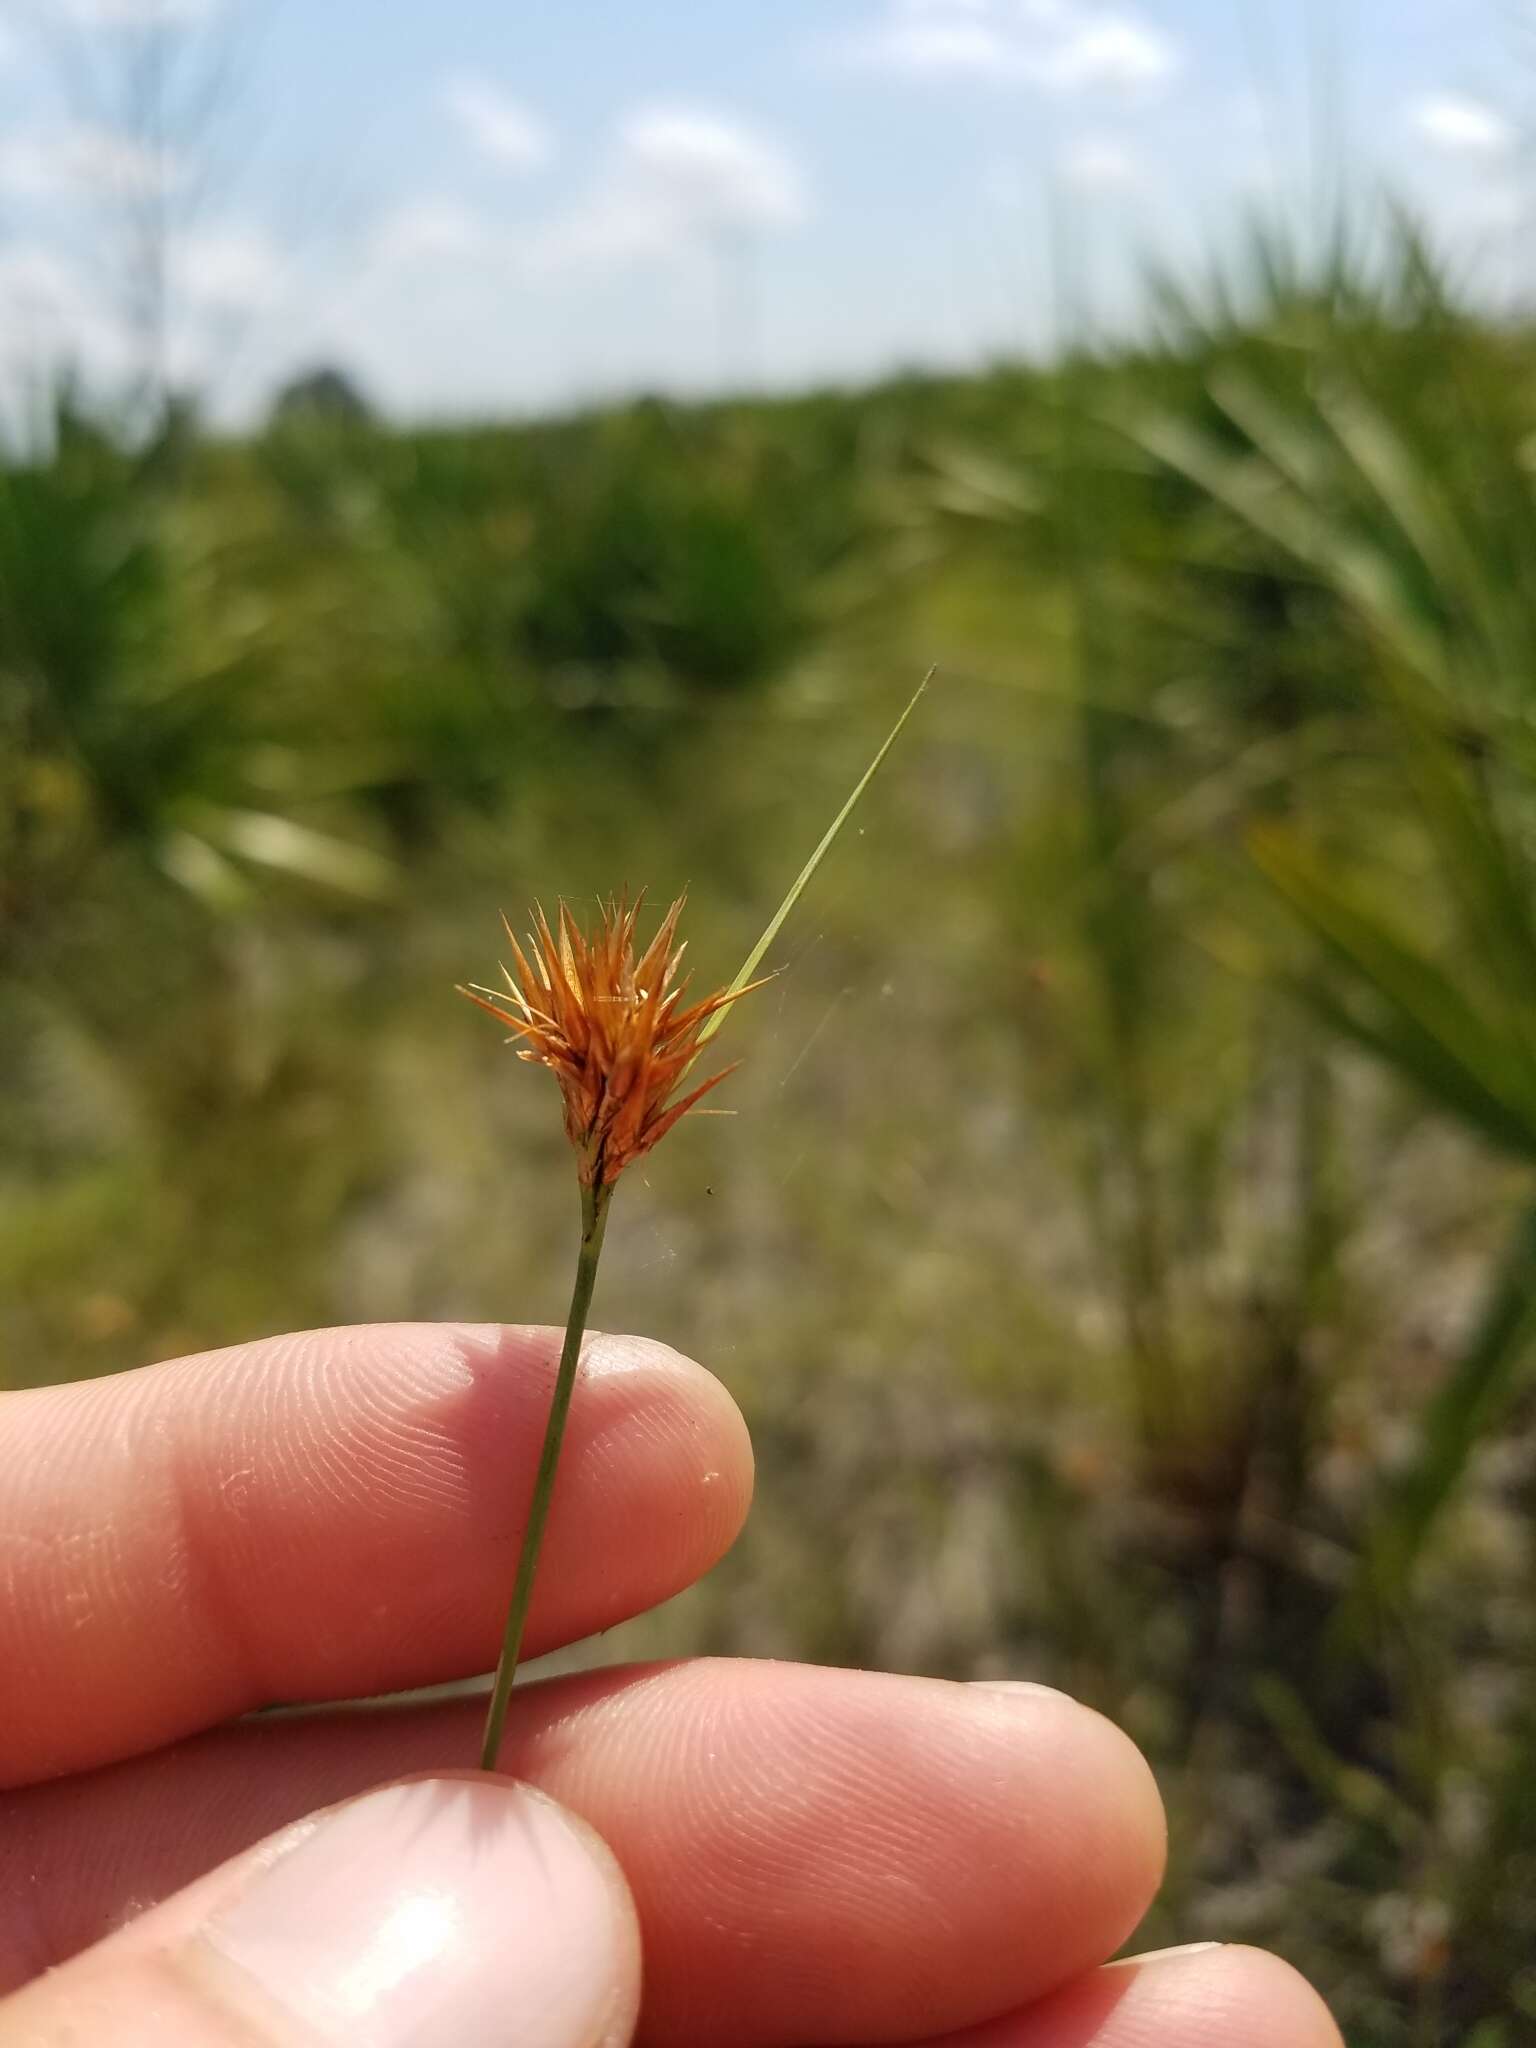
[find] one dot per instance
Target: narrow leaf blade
(802, 881)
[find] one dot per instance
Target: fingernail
(463, 1910)
(1164, 1955)
(1026, 1687)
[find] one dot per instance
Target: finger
(1205, 1997)
(469, 1911)
(816, 1855)
(325, 1516)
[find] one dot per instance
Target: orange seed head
(612, 1029)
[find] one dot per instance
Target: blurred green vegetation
(1125, 1242)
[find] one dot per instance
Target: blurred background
(451, 458)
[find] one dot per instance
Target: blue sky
(481, 206)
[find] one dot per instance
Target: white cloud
(1463, 127)
(713, 171)
(52, 316)
(428, 230)
(1498, 208)
(676, 179)
(933, 42)
(83, 160)
(1102, 163)
(136, 14)
(497, 126)
(669, 184)
(232, 270)
(36, 283)
(1057, 46)
(1110, 50)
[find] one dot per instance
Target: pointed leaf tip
(749, 967)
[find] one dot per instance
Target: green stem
(594, 1217)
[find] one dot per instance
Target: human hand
(808, 1856)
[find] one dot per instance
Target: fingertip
(1102, 1779)
(1270, 2002)
(649, 1409)
(728, 1474)
(430, 1910)
(1202, 1996)
(434, 1908)
(974, 1848)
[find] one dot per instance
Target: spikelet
(612, 1028)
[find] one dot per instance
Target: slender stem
(594, 1218)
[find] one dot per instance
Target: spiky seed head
(613, 1028)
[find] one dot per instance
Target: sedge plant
(612, 1024)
